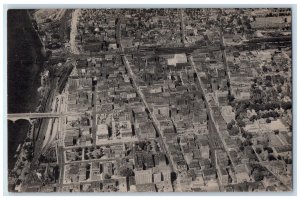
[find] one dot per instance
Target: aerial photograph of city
(149, 100)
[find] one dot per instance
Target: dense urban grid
(160, 100)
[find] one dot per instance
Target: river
(23, 75)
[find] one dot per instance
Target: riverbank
(49, 81)
(24, 68)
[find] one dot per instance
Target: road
(39, 115)
(73, 33)
(182, 28)
(162, 143)
(60, 14)
(262, 163)
(214, 128)
(61, 165)
(210, 112)
(94, 114)
(151, 115)
(223, 47)
(16, 116)
(41, 131)
(216, 138)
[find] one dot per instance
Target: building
(125, 128)
(143, 177)
(102, 132)
(157, 177)
(177, 58)
(95, 171)
(242, 173)
(122, 184)
(149, 187)
(272, 22)
(147, 131)
(227, 113)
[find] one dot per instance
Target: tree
(288, 161)
(258, 150)
(107, 176)
(279, 90)
(269, 149)
(142, 145)
(241, 123)
(230, 124)
(253, 117)
(247, 143)
(29, 157)
(247, 135)
(234, 131)
(271, 157)
(242, 148)
(265, 69)
(258, 176)
(126, 172)
(42, 158)
(286, 105)
(231, 98)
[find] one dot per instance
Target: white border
(209, 2)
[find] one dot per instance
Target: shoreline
(31, 64)
(20, 165)
(51, 85)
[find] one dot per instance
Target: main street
(151, 115)
(214, 127)
(94, 112)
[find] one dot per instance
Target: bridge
(29, 116)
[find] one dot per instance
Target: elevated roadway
(29, 116)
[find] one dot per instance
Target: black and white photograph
(140, 100)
